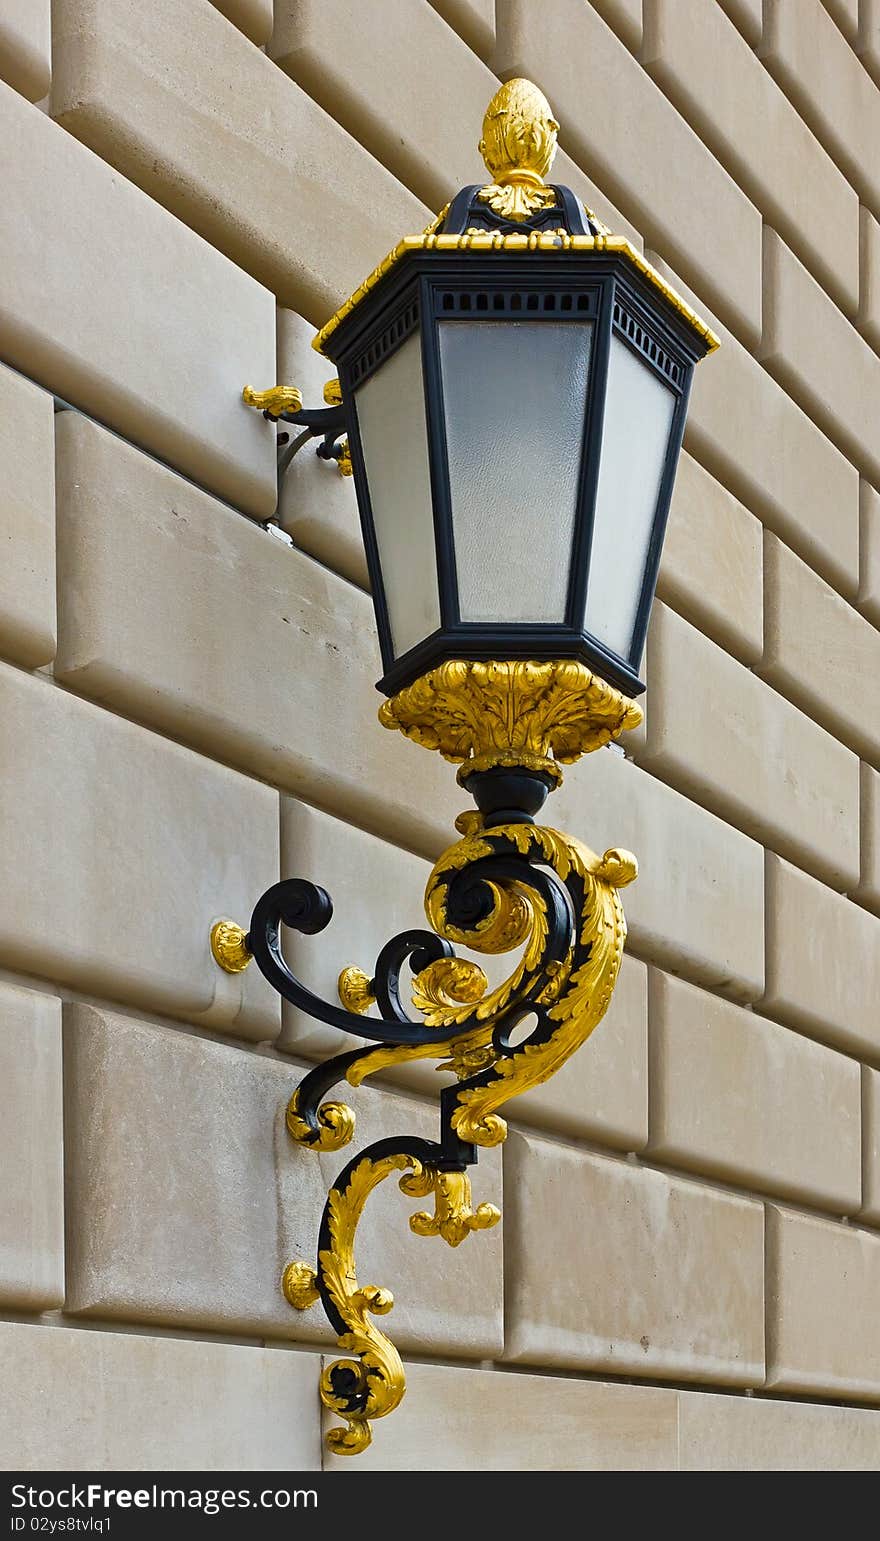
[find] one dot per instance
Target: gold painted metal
(511, 713)
(278, 399)
(479, 715)
(228, 946)
(354, 988)
(489, 241)
(337, 1126)
(518, 146)
(447, 992)
(377, 1370)
(343, 464)
(454, 1216)
(332, 393)
(298, 1283)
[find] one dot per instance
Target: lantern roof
(518, 211)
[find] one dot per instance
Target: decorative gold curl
(517, 712)
(277, 399)
(375, 1378)
(454, 1217)
(337, 1123)
(570, 995)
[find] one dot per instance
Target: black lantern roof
(517, 212)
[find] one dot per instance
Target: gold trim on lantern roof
(489, 240)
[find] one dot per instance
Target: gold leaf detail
(517, 199)
(355, 990)
(278, 399)
(336, 1120)
(444, 985)
(454, 1216)
(229, 946)
(299, 1285)
(519, 133)
(510, 713)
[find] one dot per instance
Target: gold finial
(518, 146)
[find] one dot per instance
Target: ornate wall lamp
(513, 387)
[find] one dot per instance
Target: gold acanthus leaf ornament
(277, 399)
(518, 146)
(515, 712)
(372, 1385)
(564, 981)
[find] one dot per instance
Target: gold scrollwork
(569, 995)
(277, 399)
(511, 713)
(336, 1120)
(454, 1216)
(372, 1385)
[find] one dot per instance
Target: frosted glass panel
(515, 394)
(391, 417)
(638, 417)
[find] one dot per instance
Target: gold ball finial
(519, 134)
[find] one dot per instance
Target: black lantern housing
(516, 392)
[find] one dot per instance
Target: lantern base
(515, 714)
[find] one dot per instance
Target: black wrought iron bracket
(283, 403)
(506, 885)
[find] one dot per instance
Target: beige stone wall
(689, 1263)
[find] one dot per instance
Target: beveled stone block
(749, 432)
(822, 1281)
(697, 906)
(723, 1433)
(31, 1150)
(26, 46)
(184, 105)
(819, 357)
(823, 961)
(734, 103)
(722, 735)
(480, 1420)
(712, 550)
(166, 372)
(27, 522)
(120, 850)
(240, 646)
(669, 1273)
(187, 1197)
(740, 1098)
(832, 668)
(153, 1404)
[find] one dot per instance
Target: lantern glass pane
(514, 396)
(639, 409)
(391, 419)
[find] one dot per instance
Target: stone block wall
(687, 1270)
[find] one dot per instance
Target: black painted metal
(325, 423)
(602, 287)
(307, 908)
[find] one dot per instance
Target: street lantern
(517, 381)
(512, 389)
